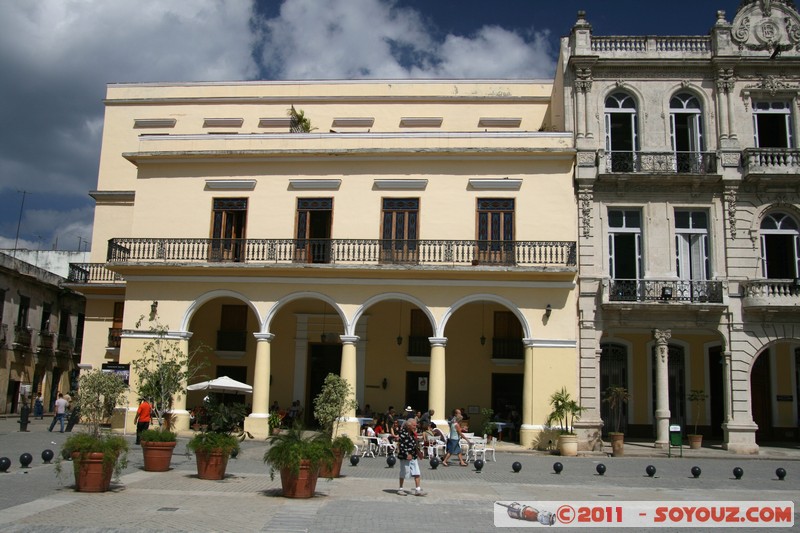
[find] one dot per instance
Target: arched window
(622, 141)
(779, 246)
(686, 132)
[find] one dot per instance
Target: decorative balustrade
(677, 44)
(46, 342)
(22, 336)
(771, 293)
(343, 251)
(771, 160)
(691, 291)
(114, 337)
(92, 273)
(661, 162)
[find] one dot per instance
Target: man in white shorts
(409, 453)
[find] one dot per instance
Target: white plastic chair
(368, 444)
(487, 447)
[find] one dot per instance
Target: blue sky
(58, 55)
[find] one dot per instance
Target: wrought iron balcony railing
(46, 342)
(505, 348)
(344, 251)
(232, 341)
(771, 293)
(419, 346)
(114, 337)
(660, 162)
(691, 291)
(22, 336)
(92, 273)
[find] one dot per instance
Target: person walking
(142, 419)
(61, 410)
(38, 407)
(409, 453)
(454, 441)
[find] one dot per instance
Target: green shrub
(291, 447)
(207, 441)
(158, 435)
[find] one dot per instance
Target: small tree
(565, 410)
(616, 396)
(333, 402)
(98, 394)
(299, 123)
(697, 397)
(164, 368)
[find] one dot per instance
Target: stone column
(256, 422)
(527, 431)
(348, 372)
(726, 385)
(180, 416)
(662, 337)
(437, 381)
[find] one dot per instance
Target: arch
(386, 297)
(526, 328)
(212, 295)
(282, 302)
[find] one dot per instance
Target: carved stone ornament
(730, 202)
(586, 199)
(662, 336)
(587, 159)
(767, 25)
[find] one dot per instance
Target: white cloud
(325, 39)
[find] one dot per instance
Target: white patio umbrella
(222, 384)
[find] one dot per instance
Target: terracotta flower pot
(695, 441)
(91, 472)
(211, 465)
(157, 455)
(301, 485)
(336, 468)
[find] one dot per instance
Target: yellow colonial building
(419, 239)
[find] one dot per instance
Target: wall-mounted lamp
(384, 384)
(154, 308)
(666, 293)
(399, 340)
(548, 310)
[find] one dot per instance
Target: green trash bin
(675, 440)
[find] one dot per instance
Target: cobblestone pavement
(365, 498)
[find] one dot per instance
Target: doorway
(760, 394)
(507, 402)
(417, 390)
(323, 359)
(716, 394)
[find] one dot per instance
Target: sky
(57, 56)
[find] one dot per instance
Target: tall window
(507, 339)
(622, 140)
(779, 246)
(399, 232)
(115, 331)
(686, 130)
(419, 344)
(496, 230)
(772, 124)
(691, 244)
(22, 312)
(228, 223)
(314, 221)
(232, 333)
(625, 252)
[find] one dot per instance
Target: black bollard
(354, 459)
(391, 460)
(696, 471)
(558, 467)
(781, 473)
(434, 462)
(47, 456)
(25, 460)
(651, 470)
(478, 465)
(738, 473)
(601, 469)
(24, 417)
(516, 467)
(5, 464)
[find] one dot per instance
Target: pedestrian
(142, 418)
(409, 453)
(60, 411)
(454, 441)
(38, 407)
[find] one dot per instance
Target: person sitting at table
(367, 412)
(369, 431)
(275, 407)
(425, 418)
(379, 427)
(394, 431)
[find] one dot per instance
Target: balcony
(775, 163)
(114, 338)
(771, 294)
(22, 337)
(66, 344)
(344, 252)
(655, 47)
(46, 342)
(665, 291)
(232, 341)
(92, 273)
(507, 348)
(658, 163)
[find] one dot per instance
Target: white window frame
(764, 233)
(691, 249)
(785, 109)
(625, 230)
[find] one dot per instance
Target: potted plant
(274, 423)
(332, 404)
(616, 397)
(298, 457)
(697, 398)
(96, 456)
(161, 371)
(213, 446)
(565, 410)
(489, 427)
